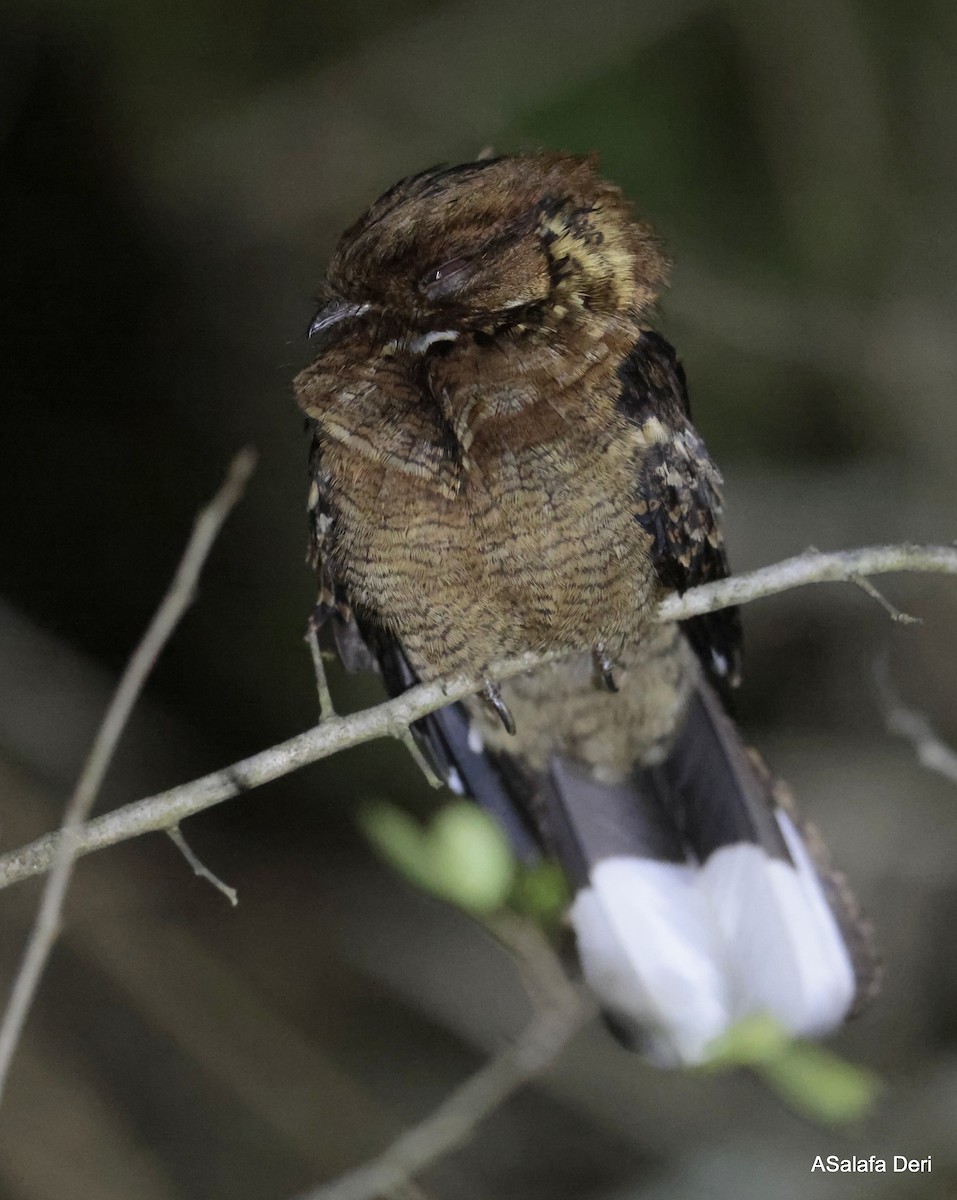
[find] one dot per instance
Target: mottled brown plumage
(504, 460)
(483, 491)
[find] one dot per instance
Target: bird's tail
(701, 898)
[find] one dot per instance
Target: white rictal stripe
(649, 950)
(420, 344)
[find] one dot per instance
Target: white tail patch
(681, 952)
(649, 952)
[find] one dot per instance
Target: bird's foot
(604, 667)
(493, 698)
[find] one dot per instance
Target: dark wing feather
(332, 605)
(468, 769)
(679, 497)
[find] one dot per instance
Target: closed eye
(445, 273)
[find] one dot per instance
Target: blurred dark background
(172, 179)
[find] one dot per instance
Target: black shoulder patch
(678, 496)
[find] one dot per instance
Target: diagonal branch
(559, 1010)
(392, 719)
(69, 842)
(932, 752)
(814, 566)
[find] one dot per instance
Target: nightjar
(504, 460)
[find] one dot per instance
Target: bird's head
(493, 245)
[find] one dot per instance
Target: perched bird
(504, 460)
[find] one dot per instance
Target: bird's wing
(679, 497)
(333, 606)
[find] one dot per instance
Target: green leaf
(808, 1078)
(401, 841)
(820, 1084)
(472, 858)
(463, 856)
(540, 892)
(748, 1043)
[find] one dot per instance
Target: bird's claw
(604, 667)
(493, 698)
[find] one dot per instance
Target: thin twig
(542, 972)
(393, 718)
(199, 868)
(559, 1011)
(420, 760)
(814, 566)
(892, 610)
(160, 812)
(326, 707)
(932, 752)
(68, 841)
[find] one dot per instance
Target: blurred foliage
(673, 127)
(540, 892)
(462, 855)
(809, 1078)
